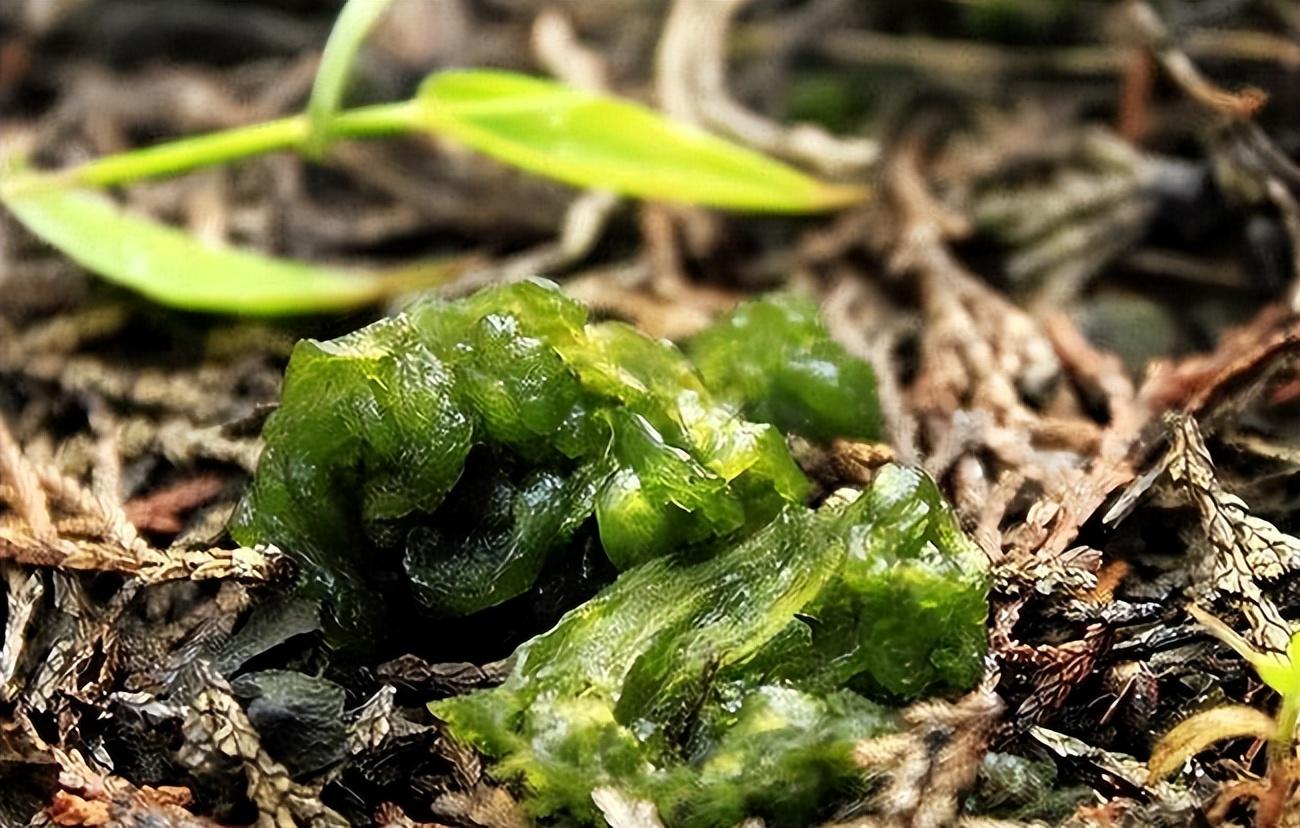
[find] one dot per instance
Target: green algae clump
(446, 457)
(725, 689)
(469, 440)
(912, 597)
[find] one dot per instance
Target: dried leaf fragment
(623, 811)
(1250, 548)
(70, 809)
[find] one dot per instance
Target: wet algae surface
(458, 455)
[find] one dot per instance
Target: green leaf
(1279, 671)
(174, 268)
(601, 142)
(351, 27)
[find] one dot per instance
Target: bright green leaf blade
(596, 141)
(174, 268)
(1276, 670)
(351, 27)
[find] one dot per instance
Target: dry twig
(928, 766)
(691, 80)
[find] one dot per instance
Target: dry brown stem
(691, 80)
(978, 351)
(929, 765)
(1180, 68)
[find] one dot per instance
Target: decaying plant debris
(1075, 283)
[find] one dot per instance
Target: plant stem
(241, 142)
(350, 29)
(1280, 745)
(1270, 805)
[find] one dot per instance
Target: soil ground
(1077, 280)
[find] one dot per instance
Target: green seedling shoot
(1281, 672)
(577, 137)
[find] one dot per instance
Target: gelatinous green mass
(774, 356)
(469, 440)
(447, 455)
(724, 689)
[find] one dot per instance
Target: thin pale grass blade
(597, 141)
(1198, 732)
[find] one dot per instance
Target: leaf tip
(837, 196)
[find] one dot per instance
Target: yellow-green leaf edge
(602, 142)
